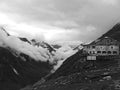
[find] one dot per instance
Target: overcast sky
(62, 20)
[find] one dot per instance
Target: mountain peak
(118, 23)
(4, 31)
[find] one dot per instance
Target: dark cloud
(80, 16)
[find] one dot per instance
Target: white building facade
(103, 47)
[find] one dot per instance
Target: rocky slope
(77, 74)
(19, 71)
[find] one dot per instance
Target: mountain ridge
(114, 32)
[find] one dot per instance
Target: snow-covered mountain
(67, 49)
(43, 44)
(40, 51)
(59, 55)
(21, 63)
(24, 61)
(19, 46)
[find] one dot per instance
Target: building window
(93, 52)
(88, 47)
(114, 52)
(103, 52)
(111, 47)
(109, 52)
(90, 52)
(93, 46)
(108, 41)
(98, 52)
